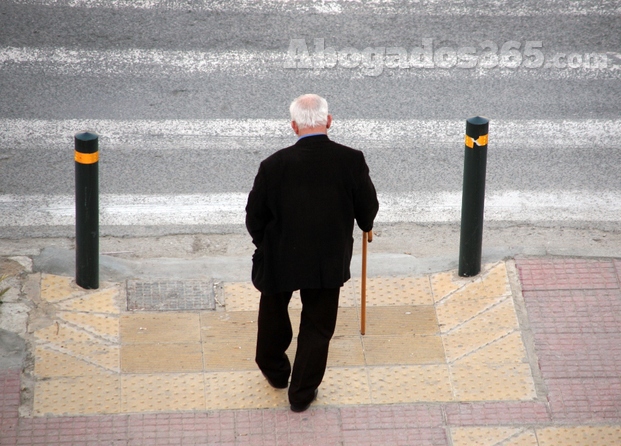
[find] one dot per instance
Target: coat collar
(311, 140)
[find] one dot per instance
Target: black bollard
(87, 210)
(473, 198)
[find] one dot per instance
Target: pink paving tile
(9, 406)
(497, 413)
(564, 273)
(558, 311)
(585, 400)
(391, 416)
(579, 355)
(396, 437)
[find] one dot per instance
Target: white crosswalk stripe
(228, 208)
(503, 133)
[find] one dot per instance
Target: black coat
(301, 212)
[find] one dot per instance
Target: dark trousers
(317, 323)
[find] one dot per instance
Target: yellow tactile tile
(501, 382)
(401, 320)
(161, 358)
(241, 390)
(443, 284)
(403, 349)
(101, 354)
(386, 291)
(492, 282)
(499, 316)
(493, 436)
(143, 328)
(460, 343)
(343, 386)
(580, 436)
(508, 349)
(51, 363)
(457, 310)
(104, 301)
(103, 325)
(99, 394)
(60, 333)
(346, 351)
(349, 295)
(162, 392)
(403, 384)
(241, 296)
(56, 288)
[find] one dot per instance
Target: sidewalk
(526, 353)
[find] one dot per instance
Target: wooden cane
(366, 237)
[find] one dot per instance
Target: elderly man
(300, 215)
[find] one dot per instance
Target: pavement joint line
(504, 336)
(485, 270)
(480, 313)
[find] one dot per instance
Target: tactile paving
(400, 359)
(162, 392)
(460, 343)
(507, 349)
(443, 284)
(386, 291)
(502, 382)
(350, 295)
(60, 333)
(580, 436)
(102, 301)
(144, 328)
(103, 325)
(404, 384)
(241, 390)
(51, 363)
(57, 288)
(499, 316)
(241, 296)
(457, 310)
(493, 436)
(100, 394)
(170, 295)
(344, 385)
(403, 349)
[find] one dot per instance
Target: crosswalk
(388, 140)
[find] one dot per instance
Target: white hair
(309, 110)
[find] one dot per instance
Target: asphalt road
(188, 97)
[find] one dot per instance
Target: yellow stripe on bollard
(480, 141)
(86, 158)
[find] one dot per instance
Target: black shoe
(303, 407)
(274, 385)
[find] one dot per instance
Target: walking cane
(366, 237)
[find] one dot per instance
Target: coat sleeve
(365, 198)
(258, 214)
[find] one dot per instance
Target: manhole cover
(170, 295)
